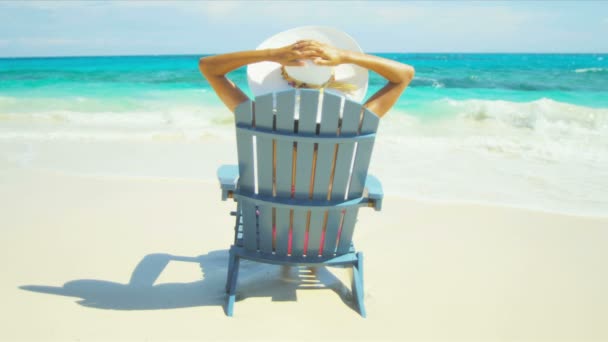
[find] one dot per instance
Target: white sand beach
(99, 242)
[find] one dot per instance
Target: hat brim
(265, 77)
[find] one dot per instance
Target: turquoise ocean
(528, 130)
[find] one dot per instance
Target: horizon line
(381, 52)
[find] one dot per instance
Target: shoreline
(183, 159)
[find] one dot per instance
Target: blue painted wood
(348, 226)
(250, 229)
(231, 261)
(306, 203)
(304, 137)
(299, 232)
(264, 117)
(344, 259)
(305, 150)
(330, 114)
(265, 228)
(323, 172)
(331, 236)
(264, 111)
(350, 123)
(283, 223)
(326, 151)
(228, 176)
(351, 117)
(232, 278)
(342, 171)
(285, 103)
(362, 159)
(350, 126)
(305, 210)
(357, 285)
(285, 106)
(238, 225)
(314, 233)
(309, 105)
(374, 191)
(244, 116)
(304, 163)
(284, 168)
(364, 153)
(326, 171)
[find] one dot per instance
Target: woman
(398, 75)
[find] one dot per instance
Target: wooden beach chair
(300, 183)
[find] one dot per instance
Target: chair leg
(231, 260)
(233, 275)
(357, 285)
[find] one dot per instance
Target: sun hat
(266, 77)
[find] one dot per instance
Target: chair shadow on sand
(141, 293)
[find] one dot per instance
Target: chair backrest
(303, 160)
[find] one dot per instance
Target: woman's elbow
(408, 73)
(405, 76)
(203, 66)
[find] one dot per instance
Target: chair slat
(350, 125)
(284, 168)
(357, 184)
(264, 111)
(315, 232)
(304, 169)
(264, 119)
(351, 117)
(331, 234)
(364, 153)
(330, 114)
(285, 103)
(325, 157)
(343, 161)
(348, 226)
(244, 116)
(309, 104)
(299, 232)
(264, 163)
(250, 233)
(282, 223)
(265, 228)
(307, 124)
(326, 152)
(370, 122)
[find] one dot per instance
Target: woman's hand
(291, 55)
(322, 54)
(317, 52)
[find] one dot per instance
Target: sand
(115, 256)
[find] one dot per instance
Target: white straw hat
(265, 77)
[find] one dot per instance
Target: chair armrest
(228, 175)
(374, 191)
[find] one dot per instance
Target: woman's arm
(215, 68)
(399, 75)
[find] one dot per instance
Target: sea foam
(586, 70)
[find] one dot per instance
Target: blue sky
(55, 28)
